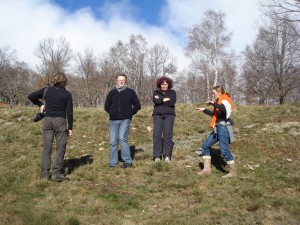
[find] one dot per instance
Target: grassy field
(266, 190)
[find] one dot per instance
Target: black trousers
(163, 135)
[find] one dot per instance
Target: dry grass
(266, 190)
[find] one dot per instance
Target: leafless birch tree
(206, 46)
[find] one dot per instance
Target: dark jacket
(122, 105)
(59, 102)
(161, 107)
(221, 114)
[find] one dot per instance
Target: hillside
(266, 190)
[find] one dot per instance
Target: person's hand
(166, 99)
(209, 102)
(42, 108)
(200, 109)
(69, 132)
(156, 96)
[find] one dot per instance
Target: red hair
(162, 79)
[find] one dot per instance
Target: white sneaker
(157, 159)
(167, 159)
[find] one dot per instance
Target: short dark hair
(166, 79)
(121, 75)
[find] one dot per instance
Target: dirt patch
(293, 128)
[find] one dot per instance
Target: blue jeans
(118, 132)
(222, 137)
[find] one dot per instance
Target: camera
(39, 117)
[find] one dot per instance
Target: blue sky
(143, 10)
(99, 24)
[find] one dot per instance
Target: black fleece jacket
(122, 104)
(161, 107)
(59, 102)
(221, 114)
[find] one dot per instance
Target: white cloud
(24, 23)
(240, 19)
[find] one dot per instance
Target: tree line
(266, 72)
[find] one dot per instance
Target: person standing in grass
(222, 133)
(121, 104)
(58, 106)
(164, 99)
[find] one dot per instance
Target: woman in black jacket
(164, 100)
(58, 123)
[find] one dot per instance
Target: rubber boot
(232, 171)
(207, 168)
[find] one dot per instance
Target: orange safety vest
(214, 118)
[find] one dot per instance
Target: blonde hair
(221, 90)
(59, 79)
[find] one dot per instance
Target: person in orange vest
(222, 130)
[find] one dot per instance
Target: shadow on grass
(133, 151)
(71, 164)
(217, 160)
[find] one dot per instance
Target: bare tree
(55, 55)
(137, 52)
(284, 47)
(110, 64)
(206, 46)
(257, 82)
(16, 84)
(288, 10)
(272, 64)
(76, 86)
(86, 68)
(7, 60)
(7, 57)
(228, 73)
(159, 62)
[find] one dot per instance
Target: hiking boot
(207, 167)
(232, 171)
(126, 165)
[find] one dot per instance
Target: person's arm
(69, 110)
(206, 111)
(136, 104)
(157, 99)
(221, 108)
(35, 97)
(108, 102)
(170, 100)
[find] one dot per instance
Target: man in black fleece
(58, 106)
(121, 104)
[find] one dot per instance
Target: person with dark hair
(58, 123)
(121, 103)
(222, 133)
(164, 99)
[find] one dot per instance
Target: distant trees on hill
(267, 71)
